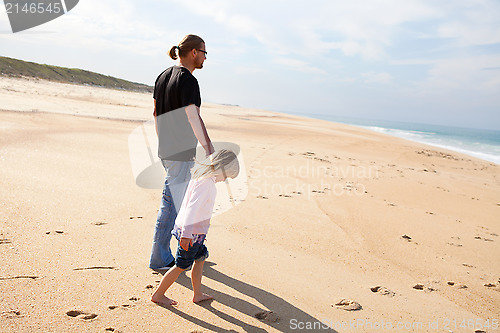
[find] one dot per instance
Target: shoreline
(382, 127)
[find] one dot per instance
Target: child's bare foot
(201, 298)
(163, 300)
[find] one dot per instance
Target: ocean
(480, 143)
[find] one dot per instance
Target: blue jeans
(176, 181)
(196, 252)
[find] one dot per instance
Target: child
(191, 225)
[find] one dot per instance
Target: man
(179, 127)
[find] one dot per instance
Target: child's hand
(186, 243)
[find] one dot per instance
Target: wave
(483, 144)
(465, 145)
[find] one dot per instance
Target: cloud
(472, 23)
(245, 70)
(98, 26)
(464, 73)
(365, 27)
(242, 22)
(299, 65)
(359, 28)
(373, 77)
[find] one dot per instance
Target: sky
(424, 61)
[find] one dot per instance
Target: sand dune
(341, 225)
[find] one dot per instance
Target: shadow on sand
(287, 312)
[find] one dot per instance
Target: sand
(334, 215)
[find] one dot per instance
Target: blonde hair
(188, 43)
(223, 161)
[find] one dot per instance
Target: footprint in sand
(419, 286)
(11, 314)
(57, 232)
(89, 316)
(455, 244)
(267, 316)
(81, 314)
(99, 223)
(382, 291)
(348, 305)
(125, 306)
(405, 236)
(484, 239)
(5, 241)
(458, 286)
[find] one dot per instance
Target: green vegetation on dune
(18, 68)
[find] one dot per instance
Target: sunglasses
(205, 52)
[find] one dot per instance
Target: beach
(333, 212)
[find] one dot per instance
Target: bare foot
(163, 300)
(201, 298)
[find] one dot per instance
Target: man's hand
(186, 243)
